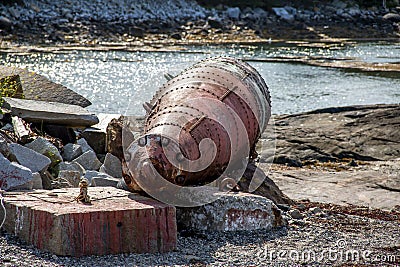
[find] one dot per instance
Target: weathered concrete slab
(50, 112)
(115, 222)
(232, 212)
(38, 87)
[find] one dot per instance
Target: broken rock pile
(48, 144)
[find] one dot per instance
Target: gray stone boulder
(5, 23)
(283, 13)
(37, 181)
(69, 178)
(232, 212)
(88, 161)
(112, 166)
(365, 133)
(96, 138)
(71, 166)
(392, 17)
(233, 13)
(71, 152)
(101, 179)
(4, 147)
(12, 174)
(38, 87)
(29, 158)
(49, 112)
(84, 145)
(46, 148)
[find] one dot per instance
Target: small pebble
(295, 214)
(315, 210)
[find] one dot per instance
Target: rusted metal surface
(222, 100)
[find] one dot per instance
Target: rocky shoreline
(142, 23)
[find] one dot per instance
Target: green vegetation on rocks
(10, 86)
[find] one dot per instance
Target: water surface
(119, 82)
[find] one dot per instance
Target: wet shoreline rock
(367, 133)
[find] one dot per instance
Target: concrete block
(232, 212)
(115, 222)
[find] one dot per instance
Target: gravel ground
(326, 235)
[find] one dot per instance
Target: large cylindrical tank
(202, 124)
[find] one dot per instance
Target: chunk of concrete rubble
(38, 87)
(84, 145)
(26, 186)
(12, 174)
(72, 178)
(96, 135)
(22, 131)
(232, 212)
(105, 181)
(8, 127)
(71, 152)
(29, 158)
(4, 147)
(101, 179)
(37, 181)
(46, 148)
(49, 112)
(112, 166)
(71, 166)
(88, 161)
